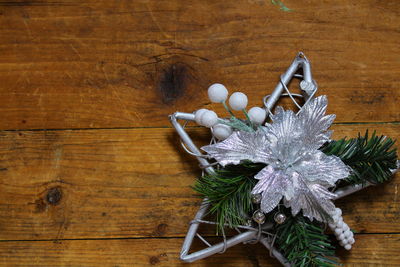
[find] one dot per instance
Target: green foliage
(281, 5)
(228, 191)
(238, 124)
(304, 243)
(370, 158)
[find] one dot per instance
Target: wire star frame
(248, 233)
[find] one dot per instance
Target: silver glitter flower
(296, 170)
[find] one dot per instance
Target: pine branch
(370, 158)
(304, 243)
(228, 191)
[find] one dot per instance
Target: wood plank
(106, 64)
(369, 250)
(131, 183)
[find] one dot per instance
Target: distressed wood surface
(370, 250)
(106, 64)
(131, 183)
(91, 173)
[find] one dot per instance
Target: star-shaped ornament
(296, 173)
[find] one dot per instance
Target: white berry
(338, 231)
(238, 101)
(209, 118)
(338, 212)
(345, 227)
(257, 115)
(335, 218)
(347, 247)
(217, 93)
(222, 131)
(198, 114)
(341, 236)
(347, 234)
(351, 241)
(339, 224)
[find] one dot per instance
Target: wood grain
(109, 185)
(107, 64)
(369, 250)
(131, 183)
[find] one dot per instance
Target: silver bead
(259, 217)
(279, 218)
(256, 198)
(249, 222)
(307, 86)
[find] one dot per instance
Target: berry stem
(228, 109)
(248, 118)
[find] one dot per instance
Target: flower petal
(318, 167)
(272, 185)
(284, 136)
(314, 123)
(284, 127)
(313, 199)
(240, 146)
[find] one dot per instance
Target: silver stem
(299, 61)
(201, 254)
(275, 252)
(350, 189)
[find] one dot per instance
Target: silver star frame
(251, 234)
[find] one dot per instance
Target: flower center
(286, 164)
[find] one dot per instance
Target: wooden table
(91, 172)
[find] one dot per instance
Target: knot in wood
(54, 195)
(173, 82)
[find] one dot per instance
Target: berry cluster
(218, 93)
(342, 230)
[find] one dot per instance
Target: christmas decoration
(275, 174)
(296, 170)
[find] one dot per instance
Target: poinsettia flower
(297, 171)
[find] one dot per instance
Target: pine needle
(370, 158)
(304, 243)
(229, 193)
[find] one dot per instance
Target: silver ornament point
(256, 198)
(279, 218)
(259, 217)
